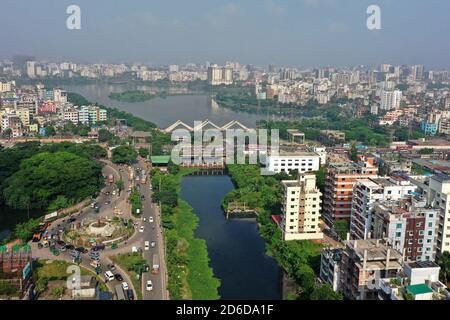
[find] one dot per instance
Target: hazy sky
(282, 32)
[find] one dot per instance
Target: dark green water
(235, 248)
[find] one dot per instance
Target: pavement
(151, 232)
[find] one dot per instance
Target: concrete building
(31, 69)
(330, 259)
(420, 280)
(438, 196)
(301, 208)
(24, 115)
(363, 263)
(341, 178)
(288, 161)
(390, 100)
(366, 193)
(220, 75)
(409, 225)
(71, 115)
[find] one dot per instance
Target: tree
(45, 176)
(24, 231)
(124, 154)
(104, 135)
(143, 152)
(444, 262)
(120, 185)
(58, 292)
(342, 228)
(324, 292)
(50, 131)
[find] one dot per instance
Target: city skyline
(293, 33)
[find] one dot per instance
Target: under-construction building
(15, 271)
(363, 264)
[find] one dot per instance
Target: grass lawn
(47, 270)
(128, 261)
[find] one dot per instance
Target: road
(151, 232)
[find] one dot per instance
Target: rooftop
(419, 289)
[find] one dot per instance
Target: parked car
(141, 229)
(149, 285)
(124, 286)
(109, 276)
(130, 294)
(112, 267)
(150, 219)
(118, 277)
(153, 244)
(82, 250)
(146, 246)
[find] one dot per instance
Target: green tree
(45, 176)
(120, 185)
(444, 262)
(24, 231)
(324, 292)
(50, 131)
(143, 152)
(124, 154)
(342, 228)
(104, 135)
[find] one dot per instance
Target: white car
(124, 286)
(150, 219)
(146, 246)
(141, 229)
(149, 285)
(145, 219)
(153, 244)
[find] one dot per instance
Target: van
(109, 276)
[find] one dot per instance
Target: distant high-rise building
(417, 72)
(390, 100)
(31, 69)
(220, 75)
(173, 68)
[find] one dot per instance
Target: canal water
(235, 248)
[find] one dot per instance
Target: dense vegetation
(46, 176)
(13, 167)
(124, 154)
(132, 96)
(190, 276)
(301, 259)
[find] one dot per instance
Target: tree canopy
(45, 176)
(124, 154)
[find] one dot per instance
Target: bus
(155, 267)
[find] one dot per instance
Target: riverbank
(300, 259)
(190, 276)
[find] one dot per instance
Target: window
(398, 234)
(399, 226)
(430, 224)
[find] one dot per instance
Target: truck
(143, 177)
(155, 266)
(119, 292)
(111, 178)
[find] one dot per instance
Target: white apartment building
(220, 75)
(289, 161)
(71, 115)
(409, 225)
(366, 193)
(438, 196)
(390, 100)
(83, 115)
(6, 86)
(301, 208)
